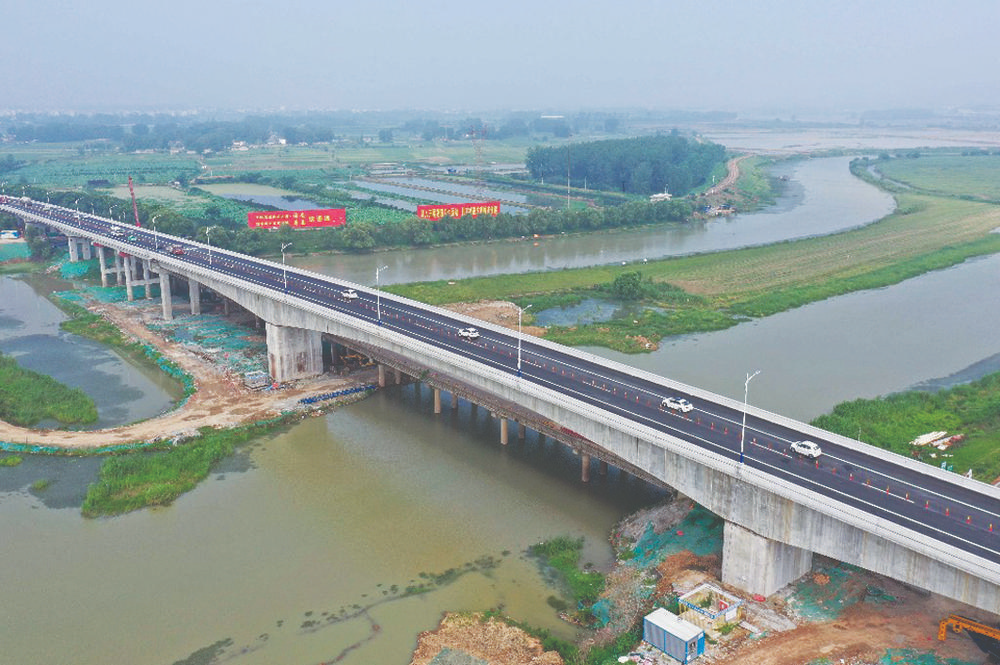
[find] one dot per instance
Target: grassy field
(891, 422)
(977, 177)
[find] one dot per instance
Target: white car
(349, 294)
(468, 333)
(807, 449)
(677, 404)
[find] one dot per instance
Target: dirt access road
(733, 174)
(218, 401)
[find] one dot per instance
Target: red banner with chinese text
(443, 210)
(272, 219)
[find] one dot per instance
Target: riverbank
(721, 289)
(217, 400)
(841, 612)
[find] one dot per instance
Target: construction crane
(986, 637)
(135, 208)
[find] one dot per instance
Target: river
(820, 197)
(328, 514)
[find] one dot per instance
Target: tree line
(231, 232)
(645, 165)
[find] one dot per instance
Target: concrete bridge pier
(129, 276)
(585, 468)
(760, 565)
(454, 401)
(504, 437)
(102, 262)
(119, 277)
(166, 298)
(381, 375)
(398, 376)
(194, 296)
(437, 400)
(146, 281)
(293, 353)
(521, 431)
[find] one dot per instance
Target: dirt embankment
(493, 641)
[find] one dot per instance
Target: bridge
(889, 514)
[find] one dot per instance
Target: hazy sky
(538, 54)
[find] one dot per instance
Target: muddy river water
(323, 518)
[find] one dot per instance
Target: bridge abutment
(293, 353)
(760, 565)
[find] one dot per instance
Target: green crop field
(954, 175)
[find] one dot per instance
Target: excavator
(986, 637)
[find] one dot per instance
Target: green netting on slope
(76, 270)
(914, 657)
(828, 591)
(14, 250)
(700, 532)
(228, 344)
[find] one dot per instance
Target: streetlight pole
(284, 271)
(520, 312)
(378, 294)
(746, 392)
(156, 240)
(208, 239)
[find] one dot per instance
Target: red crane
(135, 208)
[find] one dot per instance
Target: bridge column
(381, 375)
(585, 468)
(104, 270)
(71, 242)
(437, 400)
(454, 401)
(147, 282)
(503, 431)
(118, 269)
(129, 266)
(521, 430)
(293, 353)
(194, 296)
(398, 375)
(760, 565)
(166, 298)
(603, 468)
(85, 249)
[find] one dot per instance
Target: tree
(385, 136)
(628, 286)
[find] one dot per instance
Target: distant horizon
(782, 56)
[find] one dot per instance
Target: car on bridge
(468, 333)
(676, 404)
(116, 232)
(807, 449)
(349, 294)
(176, 249)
